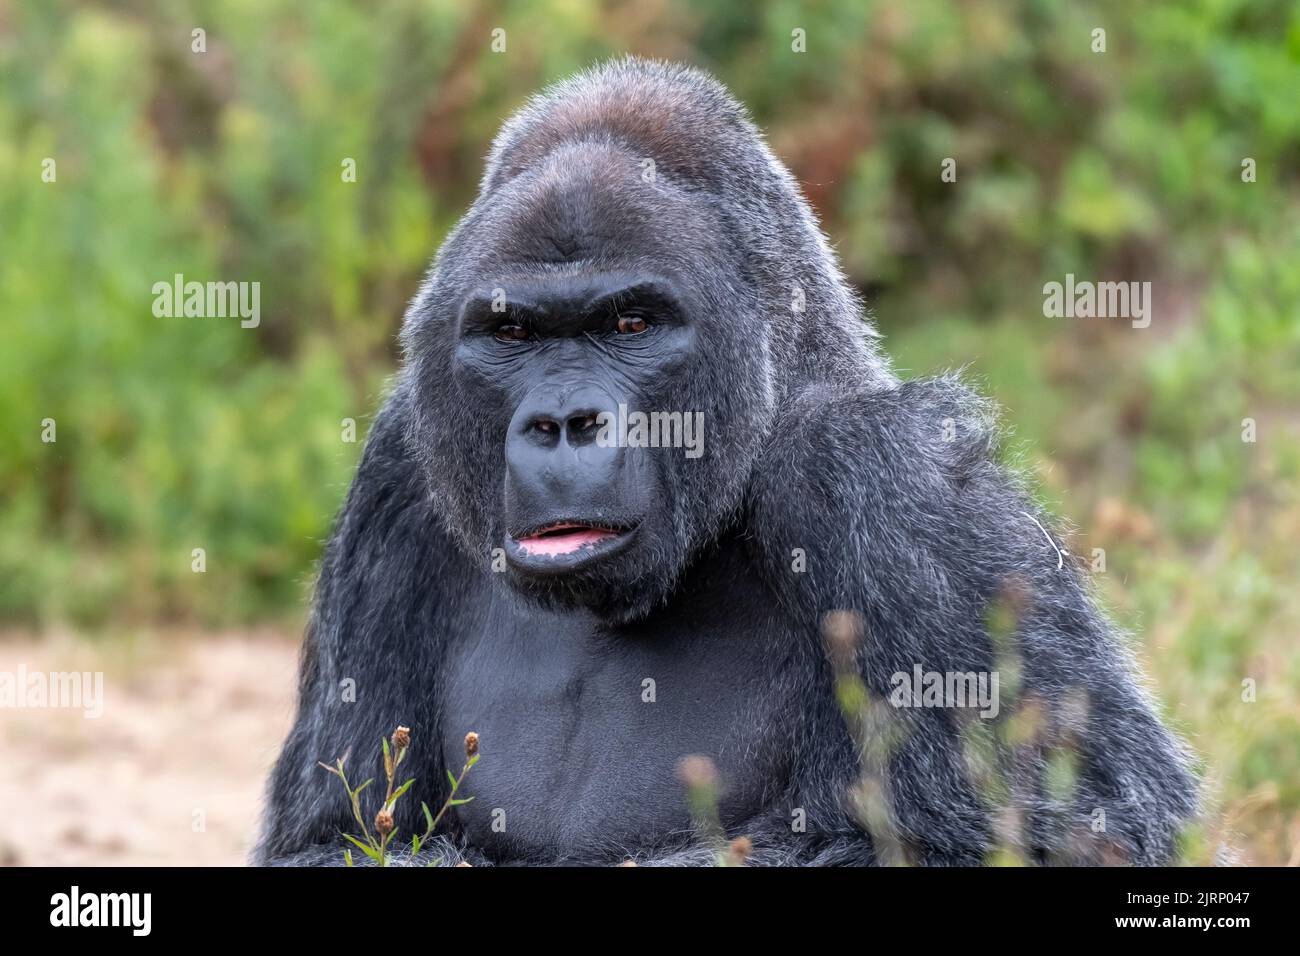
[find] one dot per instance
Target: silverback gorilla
(599, 608)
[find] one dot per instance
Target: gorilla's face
(593, 401)
(561, 363)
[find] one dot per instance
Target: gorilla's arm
(905, 518)
(383, 604)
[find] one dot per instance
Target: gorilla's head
(634, 244)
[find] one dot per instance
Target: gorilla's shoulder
(938, 426)
(896, 485)
(943, 417)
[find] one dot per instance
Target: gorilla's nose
(556, 466)
(564, 417)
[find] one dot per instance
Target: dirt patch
(171, 772)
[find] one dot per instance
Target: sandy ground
(170, 774)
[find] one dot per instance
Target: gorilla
(517, 558)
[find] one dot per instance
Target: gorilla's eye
(631, 325)
(511, 333)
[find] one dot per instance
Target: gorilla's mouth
(564, 538)
(566, 545)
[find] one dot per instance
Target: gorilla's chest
(581, 731)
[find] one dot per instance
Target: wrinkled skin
(596, 613)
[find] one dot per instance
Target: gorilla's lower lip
(564, 538)
(565, 546)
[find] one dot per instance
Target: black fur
(888, 488)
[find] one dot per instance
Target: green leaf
(401, 790)
(453, 780)
(428, 817)
(457, 803)
(368, 851)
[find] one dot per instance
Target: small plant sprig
(431, 821)
(375, 845)
(702, 782)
